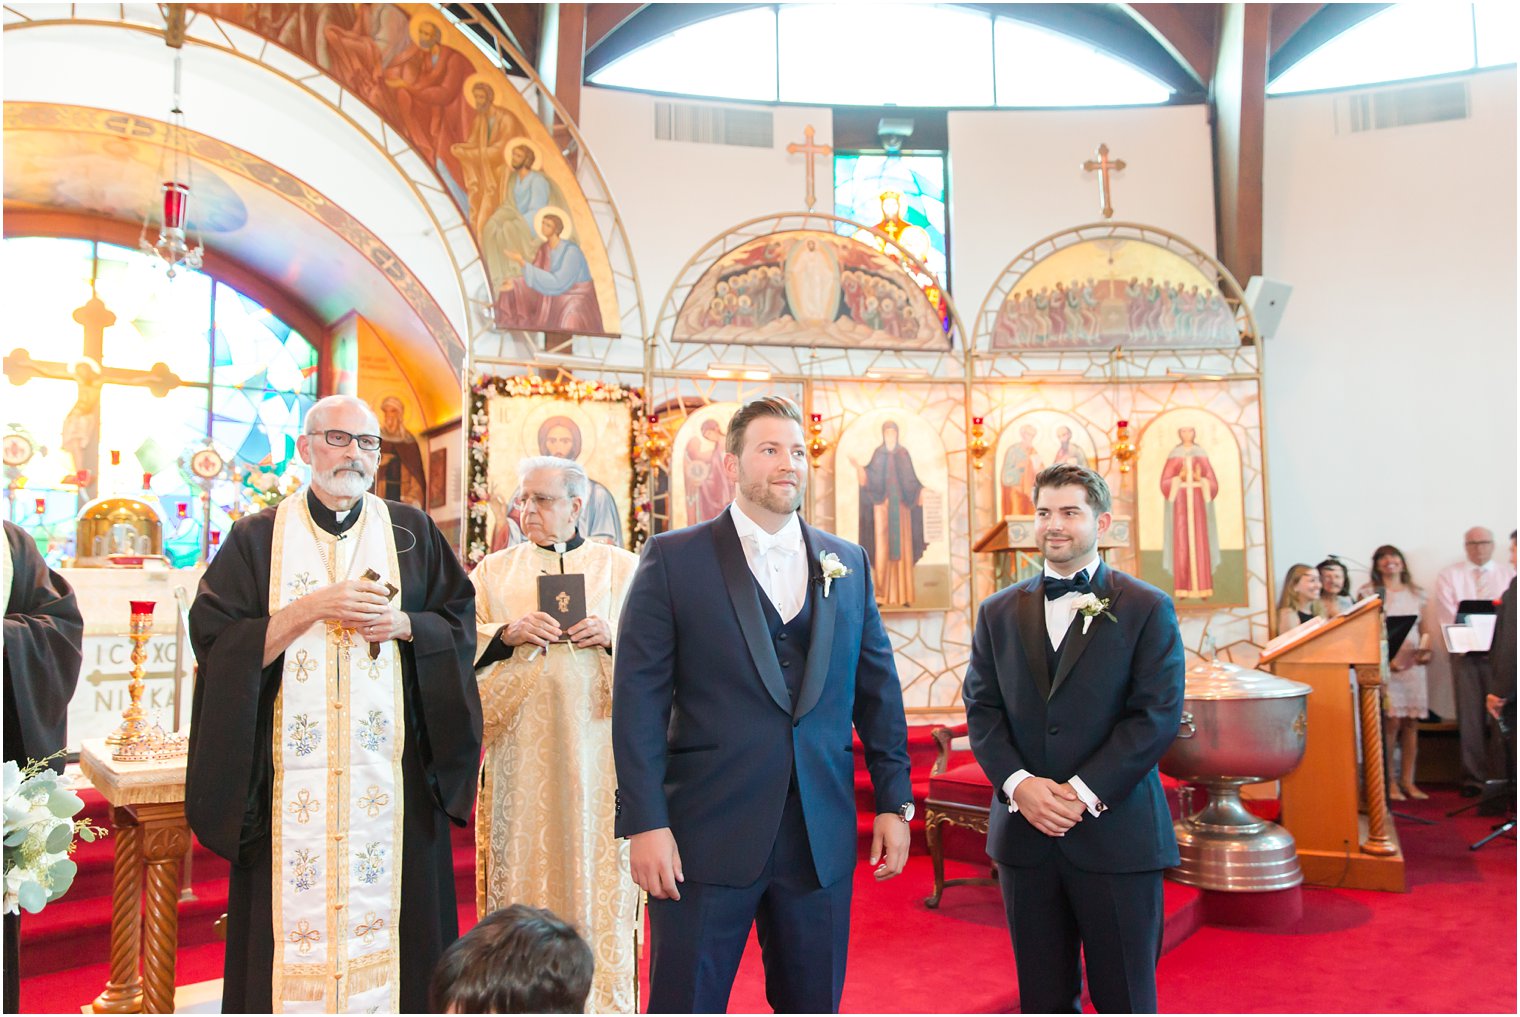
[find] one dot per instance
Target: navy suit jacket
(1108, 716)
(704, 734)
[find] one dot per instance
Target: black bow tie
(1056, 587)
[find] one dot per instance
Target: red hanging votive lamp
(1124, 449)
(116, 457)
(978, 445)
(147, 481)
(41, 506)
(182, 510)
(817, 445)
(174, 208)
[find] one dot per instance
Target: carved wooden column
(165, 839)
(124, 991)
(1369, 687)
(148, 800)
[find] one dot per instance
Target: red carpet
(1448, 945)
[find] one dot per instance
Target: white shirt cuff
(1094, 806)
(1011, 783)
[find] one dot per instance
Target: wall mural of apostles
(809, 288)
(546, 262)
(1030, 443)
(1113, 291)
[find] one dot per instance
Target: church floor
(1447, 945)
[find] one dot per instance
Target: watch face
(18, 450)
(206, 463)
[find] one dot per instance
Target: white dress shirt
(777, 560)
(1058, 616)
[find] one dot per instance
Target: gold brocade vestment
(543, 828)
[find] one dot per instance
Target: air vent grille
(1401, 107)
(714, 125)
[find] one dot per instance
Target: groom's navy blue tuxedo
(733, 729)
(1104, 707)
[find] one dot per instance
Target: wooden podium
(1337, 844)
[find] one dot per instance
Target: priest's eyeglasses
(367, 442)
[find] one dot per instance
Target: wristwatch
(905, 812)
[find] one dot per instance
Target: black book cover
(1399, 627)
(563, 597)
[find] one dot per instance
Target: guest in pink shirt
(1479, 577)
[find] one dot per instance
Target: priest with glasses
(335, 735)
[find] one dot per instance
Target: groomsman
(1073, 694)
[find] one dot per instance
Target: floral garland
(484, 386)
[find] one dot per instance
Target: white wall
(1391, 384)
(1016, 177)
(675, 196)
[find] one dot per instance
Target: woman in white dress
(1404, 696)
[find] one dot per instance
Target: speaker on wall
(1268, 299)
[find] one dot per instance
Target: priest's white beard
(348, 480)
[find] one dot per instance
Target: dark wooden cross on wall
(1103, 164)
(81, 426)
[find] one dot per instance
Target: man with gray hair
(1478, 577)
(335, 733)
(543, 832)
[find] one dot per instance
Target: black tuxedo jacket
(704, 734)
(1501, 655)
(1107, 716)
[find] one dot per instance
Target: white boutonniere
(1091, 606)
(831, 568)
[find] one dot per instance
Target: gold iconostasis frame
(957, 411)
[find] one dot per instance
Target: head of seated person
(516, 960)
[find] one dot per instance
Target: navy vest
(791, 640)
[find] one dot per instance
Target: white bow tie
(768, 542)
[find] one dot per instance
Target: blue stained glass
(260, 375)
(861, 178)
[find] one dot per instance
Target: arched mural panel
(1191, 504)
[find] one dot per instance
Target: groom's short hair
(519, 959)
(767, 406)
(1072, 475)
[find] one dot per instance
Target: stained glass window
(860, 180)
(245, 380)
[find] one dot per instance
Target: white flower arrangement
(1091, 606)
(831, 568)
(39, 836)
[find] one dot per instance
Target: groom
(748, 647)
(1073, 694)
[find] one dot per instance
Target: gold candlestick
(134, 725)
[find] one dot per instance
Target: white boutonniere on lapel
(1091, 606)
(830, 568)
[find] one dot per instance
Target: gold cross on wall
(809, 150)
(81, 426)
(1103, 164)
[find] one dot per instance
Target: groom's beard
(771, 499)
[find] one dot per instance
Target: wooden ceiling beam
(524, 24)
(604, 19)
(1187, 31)
(1288, 19)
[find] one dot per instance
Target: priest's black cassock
(228, 781)
(43, 631)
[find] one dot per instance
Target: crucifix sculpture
(81, 426)
(1103, 164)
(809, 150)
